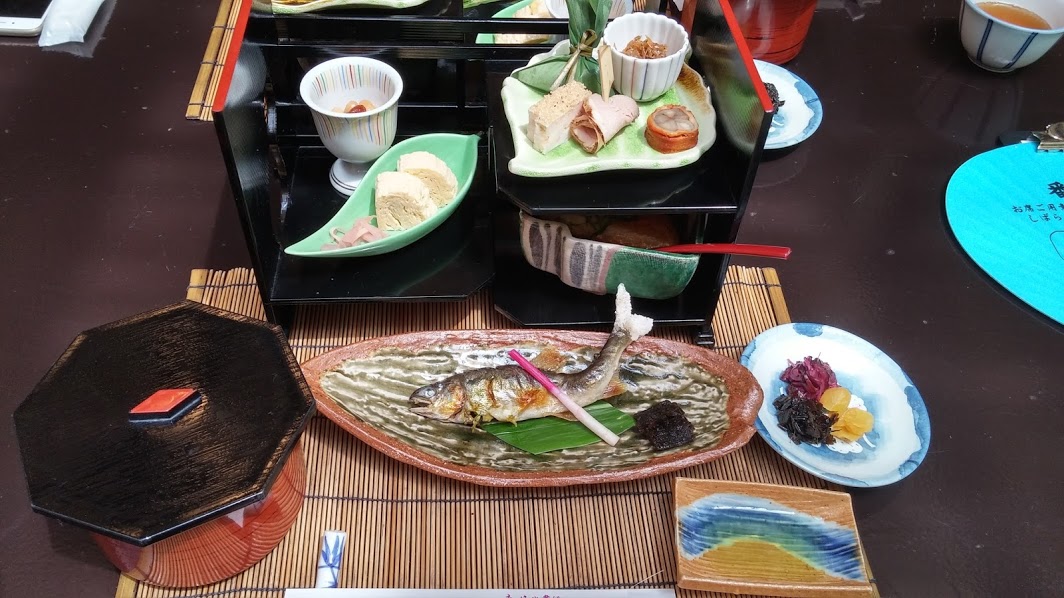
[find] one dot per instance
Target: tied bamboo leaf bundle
(587, 19)
(546, 434)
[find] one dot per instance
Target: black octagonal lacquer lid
(99, 454)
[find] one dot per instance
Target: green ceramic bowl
(599, 267)
(460, 154)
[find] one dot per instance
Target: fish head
(442, 400)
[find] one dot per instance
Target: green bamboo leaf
(538, 436)
(584, 15)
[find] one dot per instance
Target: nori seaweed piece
(664, 425)
(774, 95)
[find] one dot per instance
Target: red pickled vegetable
(808, 378)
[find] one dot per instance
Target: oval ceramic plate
(900, 434)
(460, 154)
(628, 150)
(365, 389)
(800, 115)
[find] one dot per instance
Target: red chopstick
(773, 251)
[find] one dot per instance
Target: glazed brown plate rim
(744, 401)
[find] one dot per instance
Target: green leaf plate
(628, 150)
(460, 154)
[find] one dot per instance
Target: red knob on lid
(166, 405)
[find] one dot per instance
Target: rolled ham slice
(601, 120)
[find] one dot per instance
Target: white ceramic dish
(645, 79)
(801, 113)
(901, 432)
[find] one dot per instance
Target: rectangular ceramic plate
(745, 538)
(627, 151)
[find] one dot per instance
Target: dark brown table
(108, 197)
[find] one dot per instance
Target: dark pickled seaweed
(804, 420)
(664, 425)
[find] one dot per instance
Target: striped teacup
(328, 87)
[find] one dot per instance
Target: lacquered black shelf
(450, 263)
(278, 167)
(436, 21)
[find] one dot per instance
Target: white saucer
(801, 112)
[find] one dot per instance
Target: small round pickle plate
(901, 432)
(801, 113)
(365, 388)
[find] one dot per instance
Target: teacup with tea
(1004, 35)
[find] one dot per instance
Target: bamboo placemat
(213, 63)
(410, 529)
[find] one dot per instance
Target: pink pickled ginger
(360, 232)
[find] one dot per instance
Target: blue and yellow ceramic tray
(769, 540)
(901, 433)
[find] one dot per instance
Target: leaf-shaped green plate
(460, 154)
(628, 150)
(547, 434)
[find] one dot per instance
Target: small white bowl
(1000, 46)
(645, 79)
(559, 10)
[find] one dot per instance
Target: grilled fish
(508, 393)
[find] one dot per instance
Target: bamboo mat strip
(213, 63)
(410, 529)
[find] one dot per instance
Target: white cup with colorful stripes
(1004, 35)
(355, 138)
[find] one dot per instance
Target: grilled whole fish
(509, 393)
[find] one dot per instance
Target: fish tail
(632, 325)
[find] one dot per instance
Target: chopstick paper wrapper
(583, 416)
(332, 552)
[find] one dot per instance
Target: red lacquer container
(774, 29)
(173, 436)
